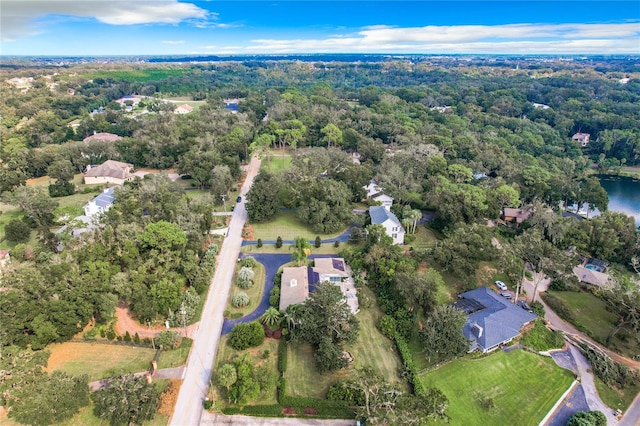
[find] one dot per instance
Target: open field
(614, 398)
(227, 354)
(371, 349)
(276, 162)
(287, 226)
(98, 360)
(590, 312)
(425, 237)
(254, 293)
(141, 75)
(520, 385)
(175, 357)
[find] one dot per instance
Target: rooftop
(111, 168)
(380, 215)
(295, 286)
(102, 136)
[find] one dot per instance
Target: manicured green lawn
(254, 293)
(425, 237)
(287, 226)
(591, 313)
(175, 357)
(614, 398)
(371, 349)
(327, 248)
(98, 360)
(276, 162)
(540, 338)
(522, 385)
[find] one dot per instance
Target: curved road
(189, 407)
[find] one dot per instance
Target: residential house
(294, 287)
(583, 138)
(110, 171)
(183, 109)
(337, 272)
(231, 105)
(101, 203)
(384, 200)
(492, 320)
(516, 216)
(591, 276)
(102, 136)
(381, 216)
(372, 189)
(540, 106)
(298, 281)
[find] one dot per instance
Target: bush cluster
(282, 356)
(344, 391)
(409, 365)
(247, 335)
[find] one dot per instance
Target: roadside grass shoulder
(540, 338)
(500, 388)
(616, 398)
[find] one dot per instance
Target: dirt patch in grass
(289, 411)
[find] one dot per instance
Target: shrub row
(410, 366)
(282, 356)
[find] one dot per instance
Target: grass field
(175, 357)
(522, 386)
(287, 226)
(591, 313)
(425, 237)
(254, 293)
(227, 354)
(614, 398)
(98, 360)
(371, 349)
(276, 162)
(141, 75)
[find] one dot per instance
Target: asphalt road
(189, 407)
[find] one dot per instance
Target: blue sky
(153, 27)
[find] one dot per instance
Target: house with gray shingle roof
(294, 287)
(492, 321)
(381, 216)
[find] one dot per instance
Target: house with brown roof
(294, 287)
(591, 276)
(516, 216)
(102, 136)
(183, 109)
(583, 138)
(110, 171)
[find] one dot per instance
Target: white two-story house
(381, 216)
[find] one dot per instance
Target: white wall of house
(90, 180)
(395, 231)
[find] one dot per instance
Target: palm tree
(246, 273)
(301, 248)
(271, 317)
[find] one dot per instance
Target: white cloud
(173, 41)
(511, 38)
(20, 17)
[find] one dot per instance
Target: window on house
(394, 236)
(334, 279)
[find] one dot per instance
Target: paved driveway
(271, 264)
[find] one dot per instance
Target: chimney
(293, 282)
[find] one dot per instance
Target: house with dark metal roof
(101, 203)
(381, 216)
(492, 320)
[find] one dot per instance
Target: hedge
(324, 407)
(282, 356)
(410, 366)
(274, 410)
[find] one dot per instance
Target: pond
(624, 195)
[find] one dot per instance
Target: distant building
(231, 105)
(393, 228)
(183, 109)
(102, 136)
(516, 216)
(492, 320)
(583, 138)
(440, 109)
(540, 106)
(385, 200)
(101, 203)
(110, 171)
(372, 189)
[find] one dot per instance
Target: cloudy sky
(153, 27)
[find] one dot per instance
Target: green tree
(227, 376)
(261, 145)
(245, 388)
(168, 339)
(36, 204)
(126, 400)
(50, 399)
(332, 134)
(300, 248)
(442, 334)
(163, 236)
(588, 418)
(221, 181)
(247, 335)
(262, 199)
(419, 290)
(17, 231)
(271, 317)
